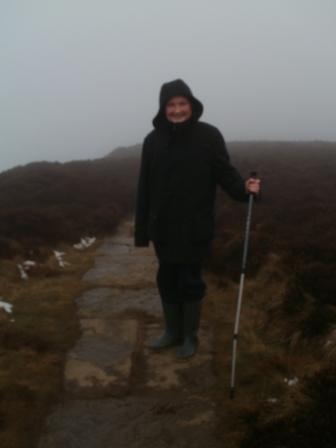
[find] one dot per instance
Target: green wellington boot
(191, 322)
(173, 321)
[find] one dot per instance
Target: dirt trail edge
(119, 393)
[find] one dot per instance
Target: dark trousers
(179, 283)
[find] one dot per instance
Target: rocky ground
(118, 393)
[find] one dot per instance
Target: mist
(79, 78)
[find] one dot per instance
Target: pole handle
(253, 175)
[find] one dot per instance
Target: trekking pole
(240, 293)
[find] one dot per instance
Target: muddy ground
(117, 392)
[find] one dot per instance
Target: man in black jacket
(183, 160)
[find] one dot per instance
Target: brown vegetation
(46, 203)
(290, 303)
(34, 341)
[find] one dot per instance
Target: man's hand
(252, 185)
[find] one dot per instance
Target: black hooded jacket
(181, 165)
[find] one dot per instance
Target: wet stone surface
(118, 392)
(123, 270)
(114, 300)
(141, 422)
(110, 248)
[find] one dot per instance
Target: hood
(176, 88)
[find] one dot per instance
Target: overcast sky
(81, 77)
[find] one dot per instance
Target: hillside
(290, 318)
(289, 313)
(44, 203)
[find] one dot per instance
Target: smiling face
(178, 109)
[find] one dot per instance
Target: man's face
(178, 109)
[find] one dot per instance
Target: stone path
(118, 393)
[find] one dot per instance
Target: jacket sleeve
(141, 238)
(226, 175)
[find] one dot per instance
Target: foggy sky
(79, 78)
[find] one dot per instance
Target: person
(182, 162)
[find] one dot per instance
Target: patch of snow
(291, 382)
(6, 306)
(25, 267)
(59, 254)
(28, 264)
(60, 258)
(22, 271)
(85, 243)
